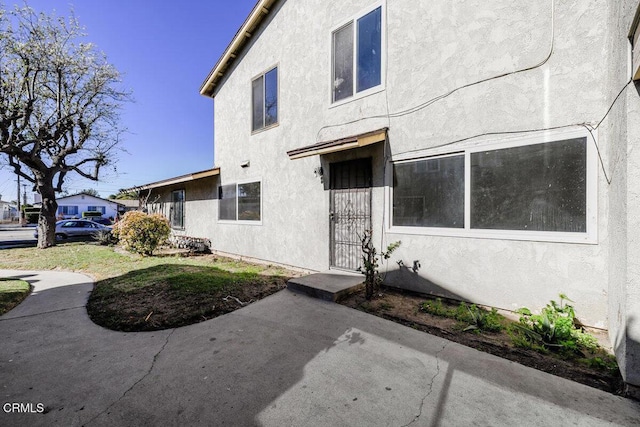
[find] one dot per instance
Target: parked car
(101, 220)
(76, 228)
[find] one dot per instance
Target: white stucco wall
(431, 49)
(83, 201)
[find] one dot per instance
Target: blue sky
(165, 50)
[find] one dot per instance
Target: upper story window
(357, 55)
(264, 99)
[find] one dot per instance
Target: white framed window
(67, 210)
(176, 212)
(357, 55)
(542, 189)
(240, 202)
(264, 100)
(101, 209)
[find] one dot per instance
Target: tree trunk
(47, 218)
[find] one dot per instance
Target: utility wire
(429, 102)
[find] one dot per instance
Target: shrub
(105, 237)
(142, 233)
(370, 259)
(554, 328)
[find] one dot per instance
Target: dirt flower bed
(407, 308)
(162, 305)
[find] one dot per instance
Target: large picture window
(177, 209)
(543, 190)
(240, 202)
(541, 187)
(357, 55)
(264, 95)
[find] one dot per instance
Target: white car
(76, 228)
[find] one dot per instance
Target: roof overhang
(348, 143)
(242, 37)
(634, 36)
(177, 180)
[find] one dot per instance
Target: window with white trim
(240, 202)
(264, 100)
(67, 210)
(429, 193)
(541, 190)
(100, 209)
(357, 55)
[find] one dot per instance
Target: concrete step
(329, 286)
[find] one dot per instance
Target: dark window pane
(540, 187)
(249, 201)
(429, 193)
(343, 63)
(271, 97)
(257, 95)
(177, 209)
(369, 50)
(227, 202)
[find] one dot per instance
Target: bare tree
(59, 105)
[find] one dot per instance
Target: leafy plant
(602, 363)
(554, 328)
(105, 237)
(142, 233)
(370, 259)
(483, 320)
(437, 308)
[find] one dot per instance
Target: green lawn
(12, 292)
(134, 293)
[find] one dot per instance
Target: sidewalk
(287, 360)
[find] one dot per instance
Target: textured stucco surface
(432, 48)
(200, 210)
(508, 68)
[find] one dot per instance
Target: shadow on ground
(285, 360)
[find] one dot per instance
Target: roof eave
(255, 18)
(175, 180)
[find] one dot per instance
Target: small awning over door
(347, 143)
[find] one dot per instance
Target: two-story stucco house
(494, 139)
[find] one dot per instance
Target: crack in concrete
(41, 313)
(153, 363)
(417, 417)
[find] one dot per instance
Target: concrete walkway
(287, 360)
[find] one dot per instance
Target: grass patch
(12, 293)
(136, 293)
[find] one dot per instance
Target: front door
(350, 211)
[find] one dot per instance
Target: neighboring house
(128, 205)
(8, 211)
(73, 206)
(494, 139)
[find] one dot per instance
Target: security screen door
(350, 211)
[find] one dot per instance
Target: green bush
(554, 328)
(105, 237)
(142, 233)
